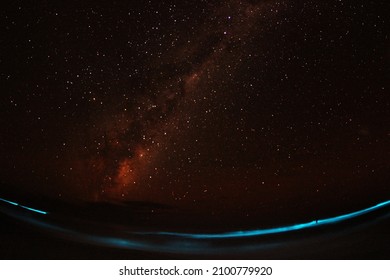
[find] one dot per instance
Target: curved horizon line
(274, 230)
(244, 233)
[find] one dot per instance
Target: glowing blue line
(182, 242)
(10, 202)
(285, 229)
(34, 210)
(22, 206)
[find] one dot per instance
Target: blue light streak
(268, 231)
(176, 242)
(23, 206)
(34, 210)
(9, 202)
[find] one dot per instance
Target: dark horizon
(230, 114)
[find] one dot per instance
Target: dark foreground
(364, 238)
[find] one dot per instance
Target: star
(232, 107)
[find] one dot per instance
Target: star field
(218, 106)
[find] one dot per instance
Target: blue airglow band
(25, 207)
(284, 229)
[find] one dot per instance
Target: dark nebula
(231, 109)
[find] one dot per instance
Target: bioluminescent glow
(284, 229)
(176, 242)
(23, 206)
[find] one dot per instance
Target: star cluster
(211, 105)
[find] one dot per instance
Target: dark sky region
(221, 107)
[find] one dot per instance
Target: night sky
(222, 107)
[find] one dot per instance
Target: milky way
(233, 106)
